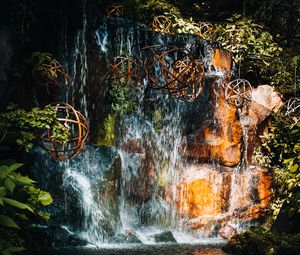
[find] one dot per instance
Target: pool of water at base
(137, 249)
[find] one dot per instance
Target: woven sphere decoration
(238, 92)
(292, 107)
(77, 127)
(193, 74)
(50, 73)
(205, 30)
(162, 24)
(124, 70)
(173, 70)
(115, 10)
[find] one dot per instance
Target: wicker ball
(78, 128)
(174, 70)
(124, 70)
(162, 24)
(292, 107)
(50, 73)
(192, 72)
(238, 92)
(205, 30)
(115, 10)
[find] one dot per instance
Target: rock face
(165, 237)
(213, 197)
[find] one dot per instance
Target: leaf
(10, 184)
(12, 249)
(293, 168)
(8, 222)
(17, 204)
(24, 180)
(14, 166)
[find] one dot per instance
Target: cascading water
(149, 180)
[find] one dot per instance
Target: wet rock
(165, 237)
(127, 237)
(56, 236)
(210, 196)
(133, 146)
(264, 101)
(220, 142)
(203, 190)
(228, 230)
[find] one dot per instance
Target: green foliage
(283, 73)
(106, 136)
(121, 99)
(146, 10)
(185, 26)
(281, 151)
(20, 200)
(25, 125)
(259, 241)
(245, 39)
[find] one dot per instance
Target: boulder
(210, 196)
(126, 237)
(264, 101)
(165, 237)
(228, 230)
(222, 140)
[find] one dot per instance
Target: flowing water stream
(142, 184)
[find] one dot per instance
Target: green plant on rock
(246, 39)
(146, 10)
(20, 201)
(281, 145)
(23, 126)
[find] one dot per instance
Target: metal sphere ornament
(205, 30)
(115, 10)
(78, 131)
(124, 70)
(172, 69)
(49, 72)
(162, 24)
(192, 71)
(292, 107)
(238, 92)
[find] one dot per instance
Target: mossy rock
(259, 241)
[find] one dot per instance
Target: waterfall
(166, 167)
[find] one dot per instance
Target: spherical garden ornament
(75, 124)
(115, 10)
(205, 30)
(238, 92)
(49, 72)
(174, 70)
(124, 70)
(292, 107)
(193, 73)
(162, 24)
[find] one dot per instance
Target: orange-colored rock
(203, 191)
(222, 60)
(212, 197)
(221, 143)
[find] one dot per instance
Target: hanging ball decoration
(124, 70)
(238, 92)
(174, 70)
(115, 10)
(49, 72)
(192, 71)
(292, 107)
(162, 24)
(78, 130)
(205, 30)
